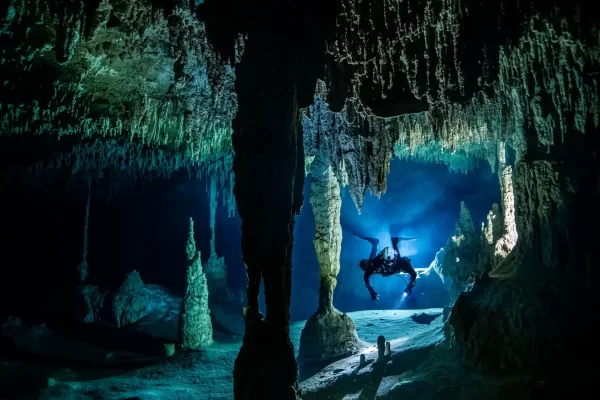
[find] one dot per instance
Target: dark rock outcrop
(131, 301)
(327, 336)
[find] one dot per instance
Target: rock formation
(461, 257)
(82, 268)
(195, 328)
(433, 287)
(215, 269)
(328, 334)
(131, 302)
(507, 242)
(130, 87)
(90, 303)
(141, 87)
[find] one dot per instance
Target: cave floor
(208, 374)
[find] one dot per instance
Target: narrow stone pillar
(507, 242)
(82, 268)
(215, 269)
(328, 334)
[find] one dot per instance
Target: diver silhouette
(387, 263)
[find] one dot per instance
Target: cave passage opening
(423, 200)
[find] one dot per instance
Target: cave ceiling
(149, 87)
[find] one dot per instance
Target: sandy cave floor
(207, 375)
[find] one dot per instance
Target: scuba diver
(387, 263)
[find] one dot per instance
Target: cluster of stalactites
(541, 87)
(128, 162)
(150, 82)
(391, 41)
(360, 148)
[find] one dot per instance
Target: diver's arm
(367, 278)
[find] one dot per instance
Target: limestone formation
(215, 269)
(134, 83)
(90, 303)
(507, 242)
(143, 88)
(328, 334)
(433, 284)
(461, 258)
(131, 302)
(82, 268)
(195, 327)
(398, 82)
(514, 319)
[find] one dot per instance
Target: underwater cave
(275, 199)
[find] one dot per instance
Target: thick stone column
(328, 334)
(269, 175)
(327, 204)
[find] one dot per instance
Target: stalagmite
(507, 242)
(82, 268)
(215, 269)
(461, 253)
(195, 326)
(328, 334)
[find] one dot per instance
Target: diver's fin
(404, 239)
(373, 241)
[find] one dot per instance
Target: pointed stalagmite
(195, 326)
(328, 334)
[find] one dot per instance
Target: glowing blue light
(404, 295)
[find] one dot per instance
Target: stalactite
(539, 79)
(328, 334)
(158, 83)
(82, 269)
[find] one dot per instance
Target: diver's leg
(411, 271)
(374, 243)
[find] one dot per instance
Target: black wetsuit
(378, 265)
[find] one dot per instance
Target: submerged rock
(40, 340)
(131, 302)
(326, 337)
(432, 287)
(424, 318)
